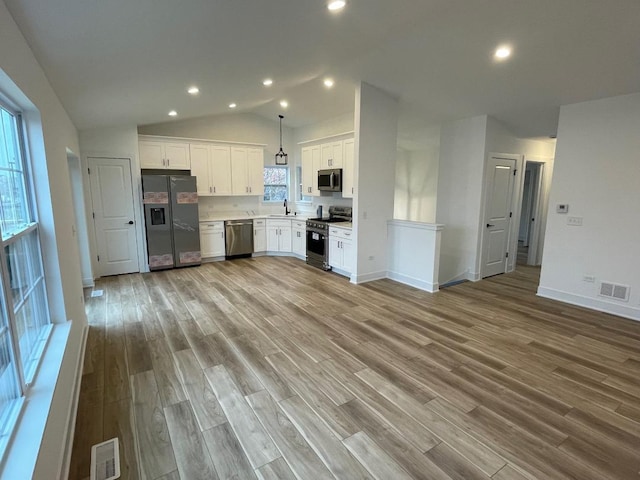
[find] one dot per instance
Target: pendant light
(281, 157)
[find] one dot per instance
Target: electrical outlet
(364, 215)
(371, 257)
(589, 279)
(574, 221)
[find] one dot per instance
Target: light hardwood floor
(267, 368)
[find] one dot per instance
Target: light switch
(574, 221)
(562, 208)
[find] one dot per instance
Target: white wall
(417, 184)
(24, 82)
(460, 173)
(376, 123)
(332, 126)
(597, 172)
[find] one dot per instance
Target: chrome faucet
(286, 210)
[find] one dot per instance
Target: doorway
(499, 183)
(531, 215)
(113, 215)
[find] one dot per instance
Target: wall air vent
(105, 460)
(612, 290)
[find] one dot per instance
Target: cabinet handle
(210, 190)
(163, 164)
(168, 162)
(250, 190)
(351, 189)
(214, 189)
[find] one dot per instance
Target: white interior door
(499, 183)
(112, 199)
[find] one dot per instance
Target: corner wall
(459, 206)
(417, 183)
(597, 172)
(376, 134)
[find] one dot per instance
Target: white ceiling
(130, 61)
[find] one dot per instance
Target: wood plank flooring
(266, 368)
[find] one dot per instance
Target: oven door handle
(331, 181)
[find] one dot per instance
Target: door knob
(130, 222)
(489, 225)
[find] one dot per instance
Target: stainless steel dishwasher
(238, 237)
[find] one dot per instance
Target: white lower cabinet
(341, 249)
(279, 235)
(299, 238)
(259, 236)
(212, 239)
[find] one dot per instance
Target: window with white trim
(24, 314)
(276, 184)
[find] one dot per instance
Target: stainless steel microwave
(330, 180)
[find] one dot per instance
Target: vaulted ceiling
(131, 61)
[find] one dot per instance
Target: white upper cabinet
(247, 171)
(255, 167)
(348, 169)
(201, 167)
(310, 166)
(211, 165)
(221, 170)
(164, 155)
(332, 155)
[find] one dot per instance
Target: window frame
(25, 373)
(287, 185)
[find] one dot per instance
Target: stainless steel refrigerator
(171, 218)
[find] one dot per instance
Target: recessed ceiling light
(503, 52)
(335, 5)
(232, 105)
(284, 104)
(328, 82)
(267, 82)
(173, 113)
(193, 90)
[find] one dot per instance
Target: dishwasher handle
(238, 223)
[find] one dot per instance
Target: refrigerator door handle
(130, 222)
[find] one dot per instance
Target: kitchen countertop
(220, 217)
(347, 225)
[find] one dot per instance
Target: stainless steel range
(318, 236)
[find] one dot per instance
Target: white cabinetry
(278, 235)
(247, 171)
(212, 239)
(259, 235)
(341, 249)
(299, 238)
(348, 169)
(211, 164)
(310, 166)
(331, 155)
(164, 155)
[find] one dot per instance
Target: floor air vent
(611, 290)
(105, 460)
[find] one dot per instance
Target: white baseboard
(73, 409)
(474, 276)
(625, 311)
(88, 283)
(413, 282)
(368, 277)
